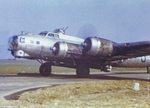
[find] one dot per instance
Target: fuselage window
(37, 42)
(143, 59)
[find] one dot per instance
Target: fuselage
(143, 61)
(38, 46)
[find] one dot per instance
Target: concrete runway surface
(10, 84)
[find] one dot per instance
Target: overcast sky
(117, 20)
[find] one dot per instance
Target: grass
(17, 66)
(31, 66)
(26, 66)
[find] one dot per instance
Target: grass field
(17, 66)
(26, 66)
(31, 66)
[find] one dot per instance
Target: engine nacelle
(67, 50)
(98, 46)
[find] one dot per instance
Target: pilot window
(51, 35)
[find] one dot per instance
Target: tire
(82, 71)
(45, 69)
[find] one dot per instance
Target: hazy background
(117, 20)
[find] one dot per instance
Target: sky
(116, 20)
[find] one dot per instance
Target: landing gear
(107, 68)
(45, 69)
(82, 70)
(148, 70)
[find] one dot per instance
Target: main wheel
(45, 69)
(82, 70)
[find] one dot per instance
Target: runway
(10, 84)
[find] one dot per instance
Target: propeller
(87, 30)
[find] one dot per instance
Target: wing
(108, 50)
(130, 50)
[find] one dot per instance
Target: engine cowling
(67, 50)
(98, 46)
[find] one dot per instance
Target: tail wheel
(45, 69)
(82, 70)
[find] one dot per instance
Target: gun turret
(60, 30)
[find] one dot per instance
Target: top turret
(60, 30)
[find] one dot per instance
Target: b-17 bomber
(58, 49)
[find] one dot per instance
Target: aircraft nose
(13, 43)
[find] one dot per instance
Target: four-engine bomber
(58, 49)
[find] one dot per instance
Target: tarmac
(10, 84)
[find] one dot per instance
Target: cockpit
(49, 34)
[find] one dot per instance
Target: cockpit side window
(46, 33)
(56, 35)
(53, 35)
